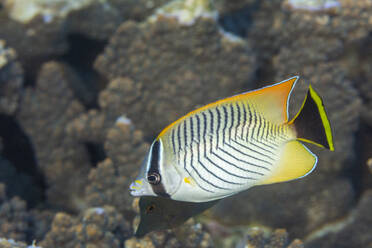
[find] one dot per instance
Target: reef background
(85, 85)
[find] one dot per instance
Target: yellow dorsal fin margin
(271, 101)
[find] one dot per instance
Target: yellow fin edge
(323, 116)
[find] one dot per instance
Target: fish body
(233, 144)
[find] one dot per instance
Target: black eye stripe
(154, 169)
(154, 163)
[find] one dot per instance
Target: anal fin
(296, 161)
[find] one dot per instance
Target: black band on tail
(311, 123)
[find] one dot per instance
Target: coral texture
(188, 235)
(174, 68)
(96, 227)
(313, 201)
(11, 79)
(14, 218)
(349, 232)
(48, 23)
(44, 113)
(259, 238)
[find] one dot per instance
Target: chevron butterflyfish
(235, 143)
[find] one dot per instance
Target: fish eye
(153, 178)
(150, 208)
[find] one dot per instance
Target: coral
(50, 37)
(313, 5)
(316, 47)
(365, 82)
(349, 232)
(309, 203)
(126, 147)
(40, 223)
(44, 113)
(11, 79)
(11, 243)
(188, 235)
(323, 47)
(18, 183)
(261, 238)
(96, 227)
(186, 12)
(226, 6)
(93, 125)
(174, 68)
(14, 218)
(48, 23)
(123, 144)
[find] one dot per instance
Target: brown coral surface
(174, 68)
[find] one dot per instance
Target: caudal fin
(311, 122)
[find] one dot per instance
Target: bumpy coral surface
(44, 113)
(349, 232)
(96, 227)
(14, 218)
(48, 23)
(11, 243)
(174, 68)
(310, 203)
(260, 238)
(189, 235)
(11, 79)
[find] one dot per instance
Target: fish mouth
(135, 188)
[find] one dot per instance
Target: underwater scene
(186, 123)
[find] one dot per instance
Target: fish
(233, 144)
(158, 213)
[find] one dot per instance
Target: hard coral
(310, 202)
(109, 182)
(189, 235)
(97, 227)
(318, 48)
(48, 23)
(44, 113)
(14, 218)
(11, 79)
(174, 68)
(349, 232)
(92, 126)
(11, 243)
(261, 238)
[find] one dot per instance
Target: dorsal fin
(271, 101)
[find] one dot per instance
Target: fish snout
(136, 188)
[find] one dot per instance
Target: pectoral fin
(295, 161)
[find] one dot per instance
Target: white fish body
(231, 145)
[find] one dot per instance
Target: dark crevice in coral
(238, 22)
(362, 177)
(358, 172)
(81, 56)
(96, 153)
(31, 69)
(20, 163)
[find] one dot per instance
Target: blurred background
(86, 85)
